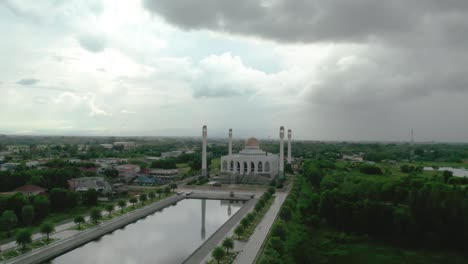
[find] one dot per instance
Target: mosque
(251, 164)
(251, 160)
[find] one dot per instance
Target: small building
(30, 190)
(86, 183)
(127, 172)
(106, 146)
(171, 154)
(146, 180)
(161, 173)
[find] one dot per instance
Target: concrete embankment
(200, 253)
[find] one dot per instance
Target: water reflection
(164, 237)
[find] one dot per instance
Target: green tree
(27, 214)
(159, 192)
(143, 198)
(286, 213)
(90, 197)
(9, 221)
(239, 231)
(277, 244)
(78, 220)
(95, 215)
(110, 208)
(218, 254)
(41, 206)
(47, 228)
(245, 222)
(279, 230)
(167, 190)
(152, 195)
(122, 204)
(133, 201)
(173, 186)
(23, 237)
(228, 244)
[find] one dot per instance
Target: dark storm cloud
(27, 81)
(305, 20)
(93, 43)
(411, 49)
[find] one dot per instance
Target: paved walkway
(252, 247)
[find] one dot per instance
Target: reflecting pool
(167, 236)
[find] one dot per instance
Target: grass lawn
(214, 166)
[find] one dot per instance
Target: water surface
(459, 172)
(167, 236)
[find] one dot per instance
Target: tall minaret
(230, 141)
(289, 146)
(281, 161)
(204, 171)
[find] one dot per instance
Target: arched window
(238, 167)
(260, 167)
(231, 168)
(267, 166)
(252, 167)
(245, 167)
(224, 165)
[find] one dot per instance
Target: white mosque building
(259, 166)
(251, 161)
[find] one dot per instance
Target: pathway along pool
(168, 236)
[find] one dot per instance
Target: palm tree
(95, 215)
(110, 208)
(239, 230)
(151, 195)
(133, 200)
(47, 228)
(143, 198)
(122, 204)
(159, 191)
(23, 237)
(78, 220)
(218, 254)
(228, 244)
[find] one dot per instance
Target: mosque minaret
(204, 171)
(281, 158)
(230, 141)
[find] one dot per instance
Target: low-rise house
(86, 183)
(32, 163)
(106, 146)
(30, 190)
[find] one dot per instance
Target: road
(252, 247)
(201, 252)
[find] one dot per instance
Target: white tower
(230, 141)
(289, 146)
(281, 161)
(204, 171)
(203, 209)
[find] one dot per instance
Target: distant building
(86, 183)
(30, 190)
(106, 146)
(126, 145)
(146, 180)
(10, 166)
(355, 158)
(32, 163)
(127, 172)
(160, 173)
(171, 154)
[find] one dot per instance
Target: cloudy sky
(329, 70)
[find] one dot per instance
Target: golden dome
(251, 142)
